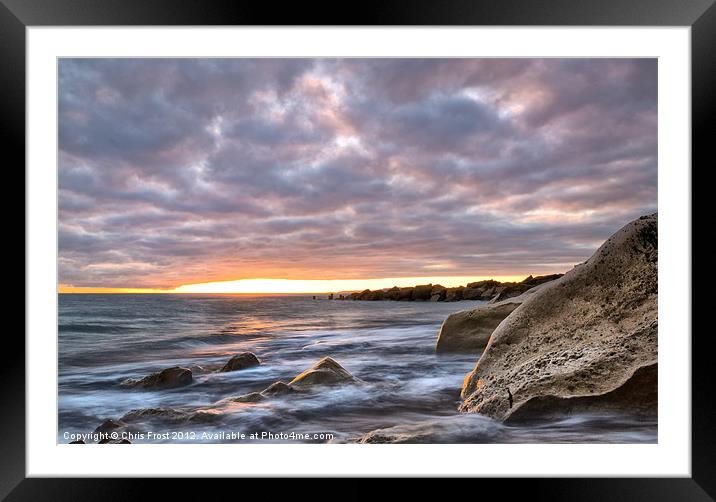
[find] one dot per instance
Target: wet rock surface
(587, 341)
(114, 441)
(168, 378)
(325, 372)
(240, 362)
(469, 331)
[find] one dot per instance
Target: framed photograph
(416, 242)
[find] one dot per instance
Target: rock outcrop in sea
(168, 378)
(136, 420)
(240, 362)
(468, 331)
(481, 290)
(325, 372)
(585, 342)
(114, 441)
(456, 429)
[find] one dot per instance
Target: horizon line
(261, 286)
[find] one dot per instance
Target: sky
(175, 172)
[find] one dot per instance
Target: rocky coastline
(487, 290)
(584, 343)
(470, 330)
(325, 373)
(547, 347)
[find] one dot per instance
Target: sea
(408, 392)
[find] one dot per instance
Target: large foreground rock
(469, 331)
(166, 379)
(585, 342)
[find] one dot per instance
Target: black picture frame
(17, 15)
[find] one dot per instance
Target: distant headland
(482, 290)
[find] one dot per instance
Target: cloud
(174, 171)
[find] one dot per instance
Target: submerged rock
(166, 379)
(277, 389)
(110, 425)
(460, 429)
(251, 397)
(167, 415)
(114, 441)
(469, 331)
(585, 341)
(161, 416)
(402, 434)
(240, 362)
(324, 372)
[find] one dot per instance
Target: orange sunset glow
(259, 176)
(287, 286)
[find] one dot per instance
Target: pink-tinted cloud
(179, 171)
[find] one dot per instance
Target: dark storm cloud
(179, 171)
